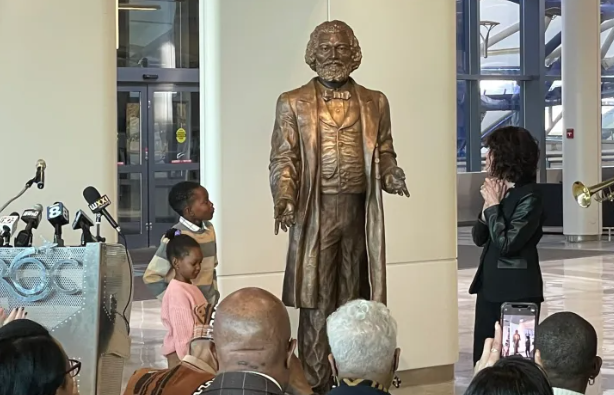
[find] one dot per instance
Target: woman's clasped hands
(493, 191)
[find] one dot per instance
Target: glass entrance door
(132, 164)
(158, 146)
(174, 139)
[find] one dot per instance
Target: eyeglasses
(75, 367)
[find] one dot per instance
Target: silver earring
(591, 381)
(396, 381)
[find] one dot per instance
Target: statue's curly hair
(514, 154)
(331, 27)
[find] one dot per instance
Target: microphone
(57, 215)
(40, 173)
(98, 204)
(8, 224)
(39, 179)
(32, 217)
(83, 222)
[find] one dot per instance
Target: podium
(83, 296)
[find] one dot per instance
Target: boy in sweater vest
(191, 201)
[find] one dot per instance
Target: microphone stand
(57, 237)
(86, 237)
(25, 188)
(98, 221)
(24, 238)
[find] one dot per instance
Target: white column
(254, 51)
(58, 81)
(210, 119)
(581, 78)
(409, 50)
(251, 52)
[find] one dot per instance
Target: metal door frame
(141, 239)
(148, 167)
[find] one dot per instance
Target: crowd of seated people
(253, 352)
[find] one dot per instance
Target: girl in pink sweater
(182, 300)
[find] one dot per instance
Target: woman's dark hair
(514, 154)
(179, 245)
(511, 376)
(31, 361)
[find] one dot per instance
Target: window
(158, 34)
(489, 94)
(499, 37)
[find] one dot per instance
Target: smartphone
(518, 322)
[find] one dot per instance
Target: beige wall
(255, 51)
(58, 103)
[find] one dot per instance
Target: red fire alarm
(569, 133)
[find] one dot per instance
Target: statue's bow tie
(329, 94)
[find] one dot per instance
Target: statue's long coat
(295, 176)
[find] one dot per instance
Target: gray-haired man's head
(363, 340)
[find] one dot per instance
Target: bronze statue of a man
(331, 155)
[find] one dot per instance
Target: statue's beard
(333, 71)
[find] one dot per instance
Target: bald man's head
(252, 333)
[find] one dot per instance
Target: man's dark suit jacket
(242, 383)
(509, 266)
(357, 387)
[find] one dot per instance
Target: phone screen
(518, 325)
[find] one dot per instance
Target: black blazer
(242, 383)
(509, 266)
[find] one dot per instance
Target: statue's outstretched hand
(394, 182)
(284, 215)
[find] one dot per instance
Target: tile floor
(582, 285)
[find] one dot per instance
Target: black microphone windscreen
(91, 194)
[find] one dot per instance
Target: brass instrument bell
(584, 194)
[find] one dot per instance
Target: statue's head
(333, 51)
